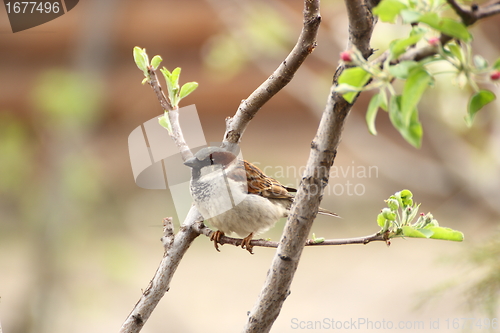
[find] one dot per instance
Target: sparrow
(234, 195)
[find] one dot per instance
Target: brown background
(79, 240)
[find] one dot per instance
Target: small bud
(388, 214)
(406, 197)
(433, 41)
(346, 56)
(393, 204)
(495, 75)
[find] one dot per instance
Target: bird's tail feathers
(327, 212)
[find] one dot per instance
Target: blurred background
(79, 240)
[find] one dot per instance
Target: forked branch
(175, 249)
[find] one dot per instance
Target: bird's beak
(191, 162)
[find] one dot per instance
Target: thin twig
(306, 43)
(476, 12)
(201, 228)
(153, 82)
(177, 135)
(173, 115)
(488, 9)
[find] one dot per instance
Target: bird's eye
(211, 159)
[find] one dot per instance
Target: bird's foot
(215, 237)
(245, 243)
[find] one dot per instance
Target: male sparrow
(234, 195)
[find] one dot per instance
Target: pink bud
(434, 41)
(495, 75)
(346, 56)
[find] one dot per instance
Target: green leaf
(431, 19)
(416, 233)
(417, 82)
(389, 214)
(414, 132)
(392, 203)
(141, 59)
(402, 69)
(447, 26)
(446, 234)
(455, 29)
(496, 65)
(410, 16)
(456, 51)
(411, 132)
(480, 62)
(166, 74)
(174, 78)
(381, 220)
(355, 77)
(165, 122)
(155, 62)
(395, 112)
(383, 99)
(387, 10)
(371, 113)
(406, 197)
(477, 101)
(188, 88)
(399, 46)
(173, 86)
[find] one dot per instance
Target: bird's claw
(245, 243)
(215, 237)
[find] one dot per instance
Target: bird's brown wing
(260, 184)
(268, 187)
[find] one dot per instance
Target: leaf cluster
(175, 92)
(426, 19)
(398, 220)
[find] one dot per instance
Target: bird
(234, 195)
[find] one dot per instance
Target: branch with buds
(235, 126)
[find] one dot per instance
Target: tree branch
(476, 12)
(309, 194)
(468, 17)
(156, 86)
(175, 246)
(361, 23)
(160, 283)
(201, 228)
(173, 115)
(306, 43)
(487, 10)
(235, 127)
